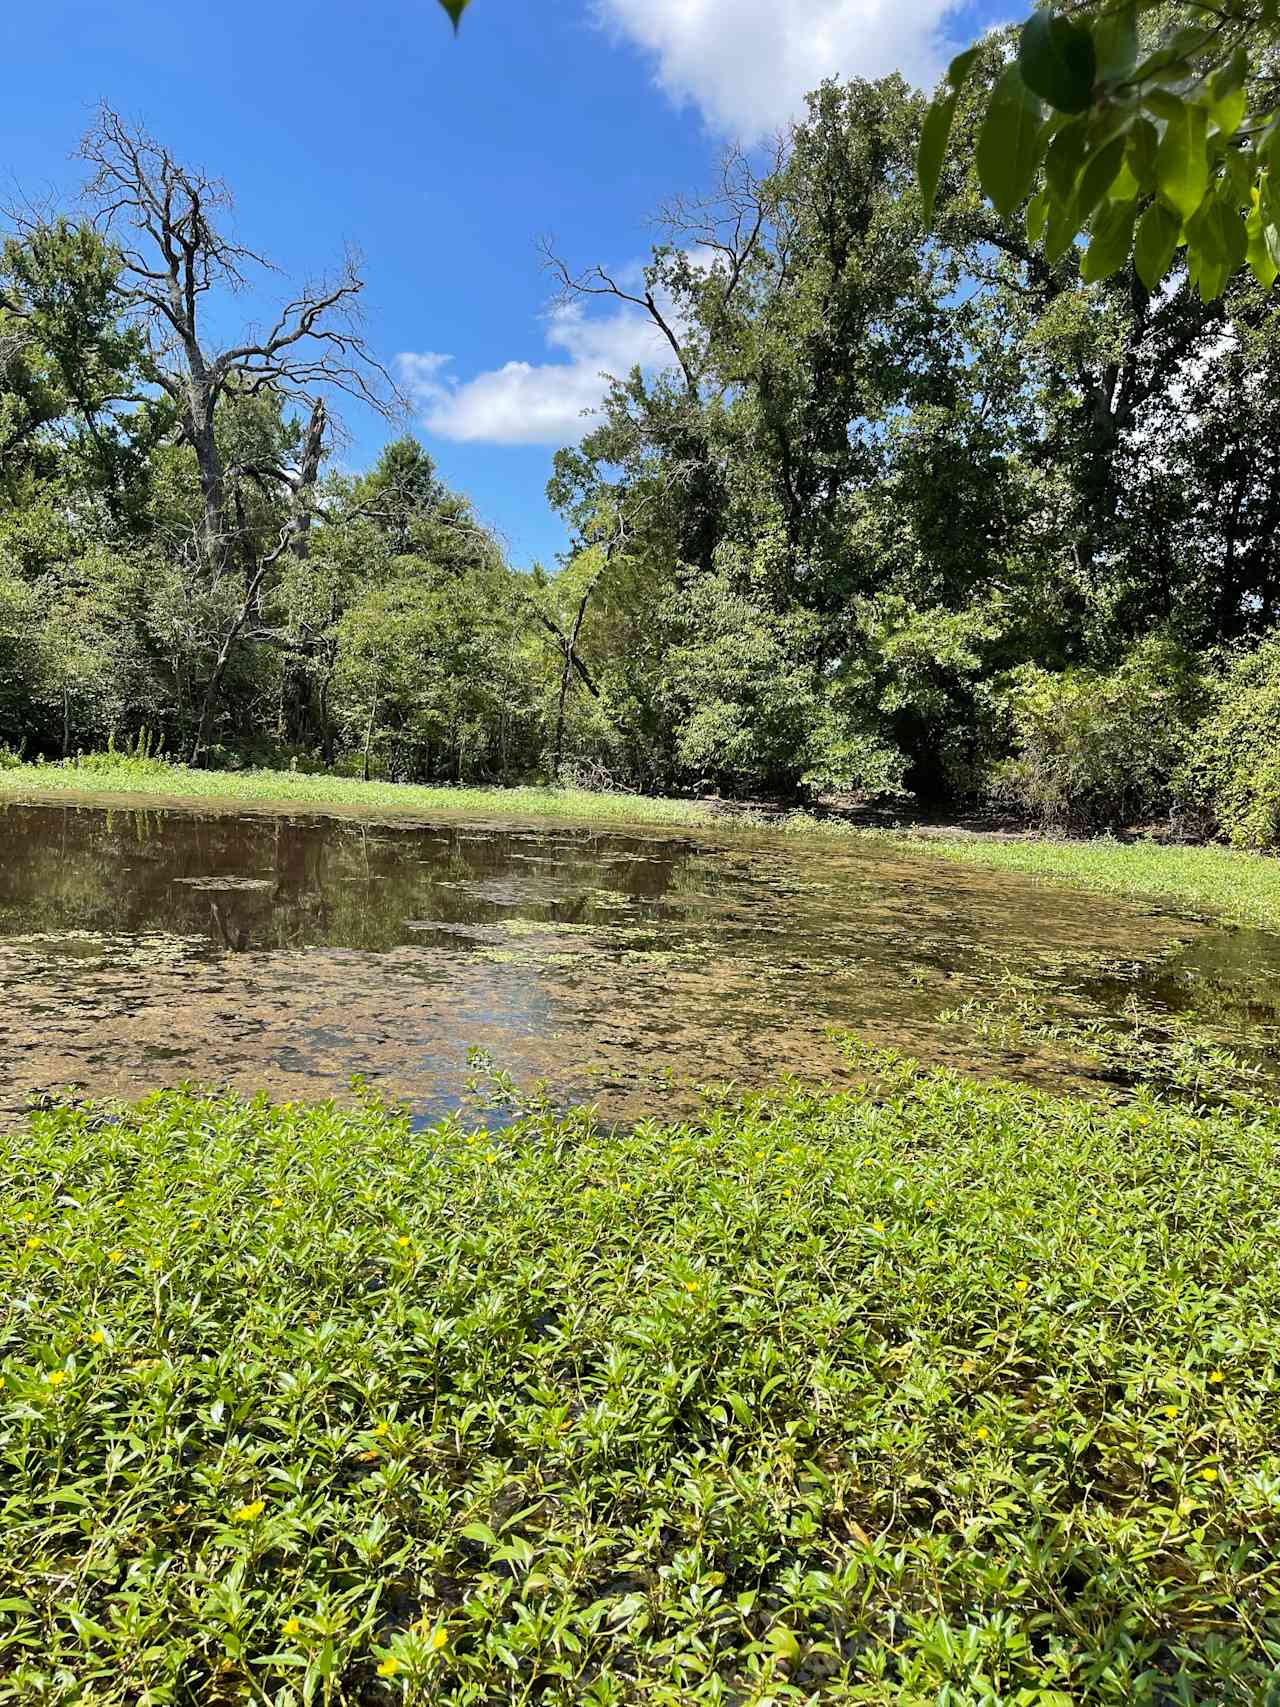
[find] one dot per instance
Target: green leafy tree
(1148, 126)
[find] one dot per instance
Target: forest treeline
(904, 510)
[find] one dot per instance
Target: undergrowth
(937, 1393)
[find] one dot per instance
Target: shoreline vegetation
(928, 1391)
(1231, 885)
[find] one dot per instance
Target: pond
(143, 948)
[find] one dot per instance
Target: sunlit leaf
(1100, 173)
(937, 129)
(1037, 215)
(1115, 43)
(1009, 147)
(1057, 62)
(1182, 164)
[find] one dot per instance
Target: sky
(443, 161)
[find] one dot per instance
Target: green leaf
(1182, 162)
(1037, 215)
(1115, 44)
(1140, 152)
(455, 9)
(1154, 245)
(1262, 245)
(1064, 158)
(1100, 172)
(934, 134)
(1063, 224)
(1057, 61)
(936, 131)
(1008, 151)
(1110, 242)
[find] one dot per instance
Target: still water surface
(143, 948)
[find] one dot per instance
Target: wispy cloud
(748, 64)
(536, 403)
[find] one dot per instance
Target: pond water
(143, 948)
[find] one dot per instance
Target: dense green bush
(1097, 749)
(1233, 766)
(944, 1394)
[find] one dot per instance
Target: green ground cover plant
(931, 1392)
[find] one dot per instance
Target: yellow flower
(691, 1286)
(97, 1337)
(277, 1202)
(56, 1377)
(247, 1513)
(1021, 1285)
(982, 1434)
(1216, 1378)
(877, 1226)
(439, 1639)
(1208, 1474)
(787, 1192)
(404, 1241)
(491, 1155)
(388, 1668)
(115, 1256)
(381, 1428)
(34, 1243)
(291, 1626)
(1171, 1410)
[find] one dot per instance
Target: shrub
(1095, 750)
(947, 1393)
(1232, 771)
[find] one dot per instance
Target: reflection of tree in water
(259, 883)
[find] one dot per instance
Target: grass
(154, 778)
(943, 1394)
(1210, 882)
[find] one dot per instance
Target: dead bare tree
(165, 220)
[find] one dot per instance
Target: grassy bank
(957, 1395)
(153, 779)
(1210, 882)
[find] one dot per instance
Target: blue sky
(444, 161)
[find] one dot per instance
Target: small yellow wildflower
(982, 1434)
(439, 1639)
(277, 1202)
(404, 1241)
(388, 1668)
(1208, 1474)
(97, 1337)
(34, 1243)
(56, 1377)
(115, 1256)
(1021, 1285)
(691, 1286)
(1171, 1410)
(27, 1219)
(787, 1192)
(247, 1513)
(491, 1156)
(291, 1626)
(381, 1428)
(877, 1226)
(1216, 1378)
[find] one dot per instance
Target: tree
(1150, 125)
(172, 254)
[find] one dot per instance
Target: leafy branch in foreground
(1147, 139)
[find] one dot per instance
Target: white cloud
(748, 64)
(536, 403)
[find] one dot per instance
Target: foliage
(1149, 126)
(1233, 767)
(1098, 749)
(945, 1392)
